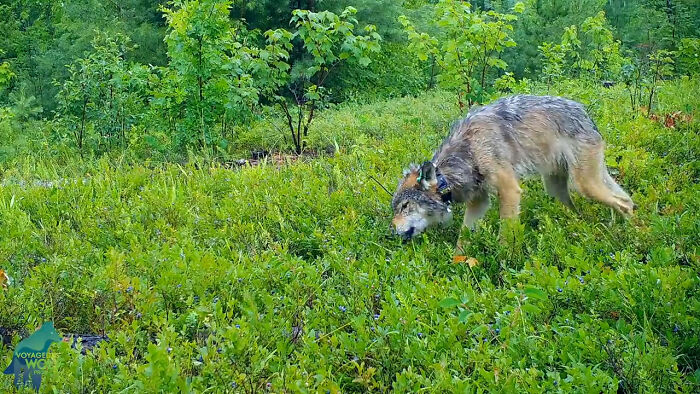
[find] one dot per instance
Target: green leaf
(519, 7)
(536, 293)
(449, 302)
(464, 316)
(529, 308)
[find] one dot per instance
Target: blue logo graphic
(29, 358)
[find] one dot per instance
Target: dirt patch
(277, 159)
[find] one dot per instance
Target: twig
(382, 186)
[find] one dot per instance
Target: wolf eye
(404, 206)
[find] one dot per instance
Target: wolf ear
(427, 177)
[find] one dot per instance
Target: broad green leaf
(449, 302)
(464, 316)
(536, 293)
(529, 308)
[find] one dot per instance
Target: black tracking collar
(444, 188)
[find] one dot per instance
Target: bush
(282, 277)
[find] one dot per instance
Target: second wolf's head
(417, 203)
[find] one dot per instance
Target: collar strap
(444, 188)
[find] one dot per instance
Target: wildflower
(342, 308)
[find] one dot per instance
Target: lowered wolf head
(417, 203)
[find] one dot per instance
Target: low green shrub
(283, 276)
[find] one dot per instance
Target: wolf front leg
(509, 193)
(476, 208)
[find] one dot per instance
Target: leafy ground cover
(283, 277)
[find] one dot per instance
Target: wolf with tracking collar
(492, 148)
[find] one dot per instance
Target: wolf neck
(458, 169)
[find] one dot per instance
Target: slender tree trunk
(670, 15)
(308, 123)
(285, 108)
(200, 82)
(298, 133)
(82, 128)
(111, 104)
(431, 82)
(651, 93)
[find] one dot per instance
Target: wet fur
(494, 146)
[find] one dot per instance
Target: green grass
(284, 278)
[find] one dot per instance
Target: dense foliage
(281, 277)
(196, 185)
(186, 76)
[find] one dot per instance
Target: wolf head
(49, 333)
(417, 203)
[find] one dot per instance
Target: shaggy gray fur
(496, 145)
(510, 140)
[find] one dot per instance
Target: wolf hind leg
(556, 185)
(593, 181)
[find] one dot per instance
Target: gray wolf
(492, 148)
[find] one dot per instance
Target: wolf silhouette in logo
(30, 356)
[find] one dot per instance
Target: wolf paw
(624, 205)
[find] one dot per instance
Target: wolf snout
(405, 235)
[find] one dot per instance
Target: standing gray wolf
(496, 145)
